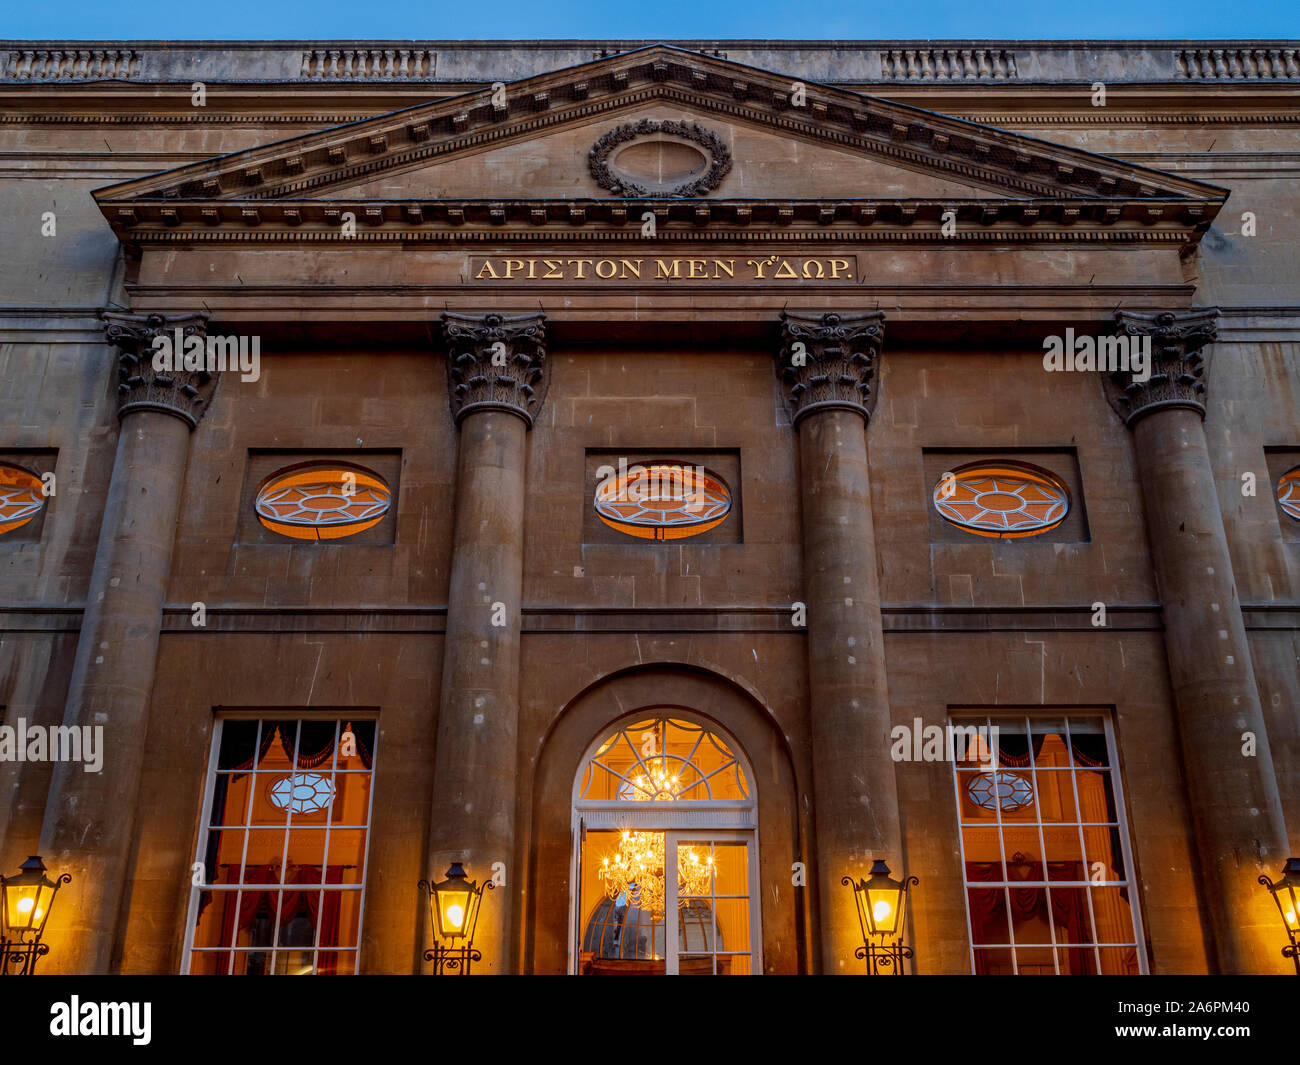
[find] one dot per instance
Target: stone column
(90, 817)
(1240, 831)
(497, 377)
(831, 386)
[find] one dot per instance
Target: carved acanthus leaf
(1175, 369)
(495, 362)
(186, 394)
(830, 361)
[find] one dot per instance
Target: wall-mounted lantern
(882, 905)
(26, 899)
(1286, 893)
(453, 913)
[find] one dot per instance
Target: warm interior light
(636, 872)
(25, 906)
(881, 911)
(455, 916)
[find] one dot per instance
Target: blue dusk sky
(351, 20)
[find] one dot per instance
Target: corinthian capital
(829, 362)
(174, 390)
(496, 362)
(1173, 365)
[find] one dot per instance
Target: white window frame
(996, 717)
(205, 826)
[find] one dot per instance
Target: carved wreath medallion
(659, 159)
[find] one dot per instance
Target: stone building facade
(418, 453)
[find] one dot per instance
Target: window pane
(1088, 745)
(209, 963)
(735, 965)
(1119, 961)
(1096, 799)
(732, 917)
(731, 869)
(224, 857)
(993, 962)
(230, 794)
(306, 856)
(1036, 961)
(347, 854)
(278, 751)
(1077, 962)
(340, 918)
(265, 810)
(1110, 911)
(252, 963)
(982, 849)
(1029, 915)
(238, 745)
(351, 805)
(1070, 919)
(264, 857)
(343, 963)
(988, 915)
(215, 926)
(1104, 853)
(1064, 853)
(1055, 797)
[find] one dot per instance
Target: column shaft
(474, 782)
(497, 375)
(89, 821)
(829, 364)
(90, 817)
(1235, 801)
(1231, 782)
(853, 776)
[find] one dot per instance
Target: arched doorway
(665, 859)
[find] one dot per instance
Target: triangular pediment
(760, 164)
(790, 144)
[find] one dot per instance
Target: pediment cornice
(619, 221)
(910, 136)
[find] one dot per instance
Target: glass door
(717, 902)
(629, 905)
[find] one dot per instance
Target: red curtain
(1069, 908)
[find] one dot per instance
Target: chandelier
(636, 869)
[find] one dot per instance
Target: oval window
(1288, 493)
(1002, 500)
(304, 793)
(21, 498)
(322, 502)
(662, 501)
(1008, 791)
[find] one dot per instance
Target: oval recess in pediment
(659, 159)
(659, 162)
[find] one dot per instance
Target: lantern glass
(455, 904)
(1290, 907)
(881, 901)
(25, 901)
(1286, 893)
